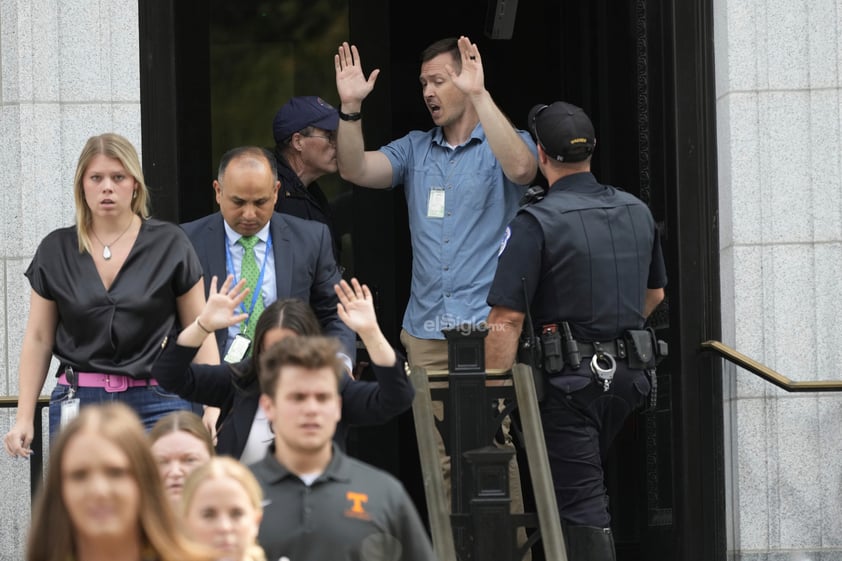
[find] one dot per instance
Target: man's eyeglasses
(331, 138)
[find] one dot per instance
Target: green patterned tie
(250, 271)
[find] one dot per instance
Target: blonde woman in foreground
(221, 506)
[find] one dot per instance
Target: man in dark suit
(300, 261)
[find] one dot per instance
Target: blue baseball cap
(302, 112)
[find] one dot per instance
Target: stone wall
(68, 70)
(778, 106)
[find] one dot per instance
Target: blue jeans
(149, 402)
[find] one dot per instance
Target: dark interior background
(214, 73)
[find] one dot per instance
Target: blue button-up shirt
(454, 256)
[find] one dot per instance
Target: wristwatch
(350, 116)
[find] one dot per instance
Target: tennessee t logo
(357, 501)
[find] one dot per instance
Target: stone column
(68, 70)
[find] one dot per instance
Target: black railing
(36, 459)
(478, 523)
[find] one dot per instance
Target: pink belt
(111, 383)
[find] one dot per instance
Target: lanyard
(258, 288)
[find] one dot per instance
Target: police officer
(587, 261)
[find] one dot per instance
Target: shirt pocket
(478, 190)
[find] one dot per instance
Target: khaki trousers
(431, 354)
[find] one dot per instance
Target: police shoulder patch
(506, 237)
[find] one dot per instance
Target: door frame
(679, 68)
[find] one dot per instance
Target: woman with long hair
(102, 498)
(105, 294)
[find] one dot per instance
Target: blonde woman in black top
(105, 294)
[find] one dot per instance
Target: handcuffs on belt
(639, 347)
(560, 348)
(600, 358)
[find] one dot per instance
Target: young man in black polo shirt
(319, 503)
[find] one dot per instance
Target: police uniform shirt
(582, 265)
(351, 511)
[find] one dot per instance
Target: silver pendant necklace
(106, 247)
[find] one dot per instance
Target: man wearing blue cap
(305, 149)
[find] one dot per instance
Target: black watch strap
(350, 116)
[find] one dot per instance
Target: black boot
(589, 543)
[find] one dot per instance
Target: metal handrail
(437, 507)
(11, 401)
(517, 383)
(549, 519)
(36, 459)
(767, 373)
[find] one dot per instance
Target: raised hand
(471, 80)
(351, 84)
(220, 309)
(356, 307)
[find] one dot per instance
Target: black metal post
(36, 459)
(466, 420)
(493, 531)
(467, 415)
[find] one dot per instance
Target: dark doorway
(643, 71)
(596, 55)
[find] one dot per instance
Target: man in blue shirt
(462, 181)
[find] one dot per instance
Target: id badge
(435, 203)
(238, 349)
(69, 411)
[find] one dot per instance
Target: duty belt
(617, 348)
(560, 348)
(637, 346)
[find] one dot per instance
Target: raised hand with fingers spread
(219, 312)
(356, 306)
(356, 309)
(351, 84)
(471, 78)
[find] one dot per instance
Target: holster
(553, 359)
(644, 348)
(529, 352)
(645, 351)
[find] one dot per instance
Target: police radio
(533, 195)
